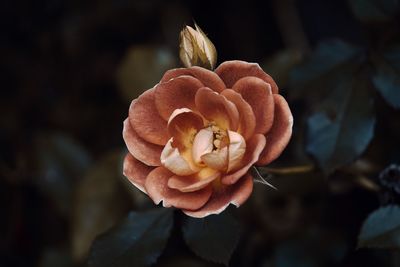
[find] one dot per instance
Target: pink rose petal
(146, 152)
(136, 172)
(235, 194)
(279, 135)
(158, 190)
(247, 120)
(232, 71)
(216, 108)
(206, 77)
(176, 93)
(258, 94)
(146, 121)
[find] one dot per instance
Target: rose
(193, 137)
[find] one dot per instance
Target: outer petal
(174, 161)
(279, 136)
(224, 195)
(232, 71)
(157, 189)
(254, 147)
(215, 107)
(146, 121)
(258, 94)
(193, 182)
(176, 93)
(183, 126)
(136, 172)
(207, 77)
(247, 120)
(146, 152)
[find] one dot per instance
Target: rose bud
(196, 49)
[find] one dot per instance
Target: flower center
(220, 137)
(200, 146)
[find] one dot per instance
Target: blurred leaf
(312, 249)
(142, 68)
(61, 162)
(374, 10)
(338, 136)
(280, 65)
(99, 203)
(185, 261)
(381, 229)
(387, 76)
(55, 257)
(328, 58)
(213, 238)
(392, 55)
(138, 241)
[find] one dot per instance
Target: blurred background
(69, 70)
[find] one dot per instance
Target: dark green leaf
(381, 229)
(138, 241)
(213, 238)
(311, 249)
(328, 57)
(387, 76)
(374, 10)
(338, 135)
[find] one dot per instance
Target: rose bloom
(193, 137)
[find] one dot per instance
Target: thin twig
(261, 179)
(290, 170)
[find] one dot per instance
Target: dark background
(69, 70)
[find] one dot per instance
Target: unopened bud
(196, 49)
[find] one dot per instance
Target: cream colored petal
(175, 162)
(237, 148)
(202, 144)
(217, 160)
(195, 181)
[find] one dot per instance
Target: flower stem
(290, 170)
